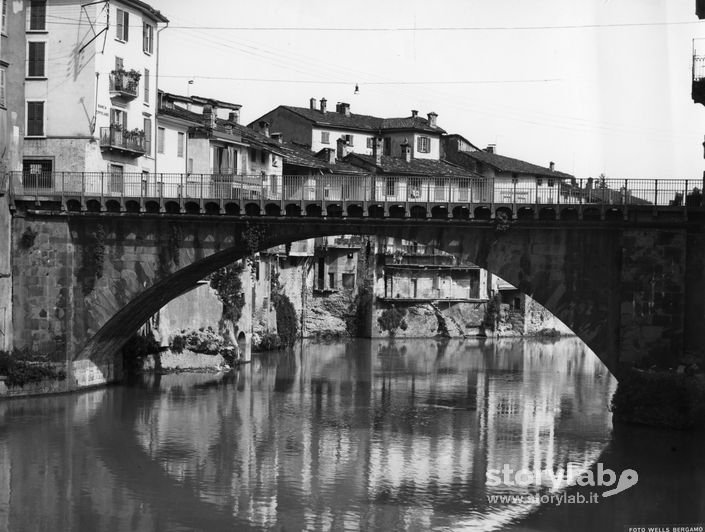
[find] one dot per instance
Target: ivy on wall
(227, 283)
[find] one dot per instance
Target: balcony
(119, 139)
(124, 84)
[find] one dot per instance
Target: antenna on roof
(357, 89)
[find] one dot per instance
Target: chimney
(414, 113)
(551, 166)
(234, 116)
(491, 148)
(312, 104)
(277, 137)
(377, 150)
(264, 127)
(432, 119)
(209, 116)
(323, 105)
(406, 150)
(342, 149)
(343, 108)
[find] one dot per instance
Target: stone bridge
(627, 277)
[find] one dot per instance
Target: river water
(366, 435)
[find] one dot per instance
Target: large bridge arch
(95, 278)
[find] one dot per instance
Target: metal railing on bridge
(345, 190)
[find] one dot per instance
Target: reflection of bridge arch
(602, 279)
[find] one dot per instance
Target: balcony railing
(124, 83)
(332, 192)
(117, 138)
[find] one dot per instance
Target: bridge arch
(587, 274)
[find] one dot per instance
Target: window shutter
(36, 59)
(146, 85)
(35, 119)
(118, 25)
(126, 24)
(2, 86)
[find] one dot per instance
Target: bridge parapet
(359, 195)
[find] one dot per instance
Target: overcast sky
(613, 98)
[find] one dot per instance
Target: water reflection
(370, 435)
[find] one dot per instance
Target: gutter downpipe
(155, 129)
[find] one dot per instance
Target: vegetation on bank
(23, 366)
(392, 319)
(205, 340)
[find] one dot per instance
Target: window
(424, 145)
(262, 157)
(119, 63)
(370, 142)
(391, 186)
(35, 119)
(348, 281)
(118, 118)
(122, 25)
(2, 88)
(3, 22)
(37, 15)
(387, 146)
(325, 137)
(348, 139)
(36, 55)
(440, 190)
(414, 188)
(148, 136)
(147, 38)
(180, 147)
(160, 139)
(116, 181)
(146, 85)
(331, 280)
(36, 173)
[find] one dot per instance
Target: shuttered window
(2, 87)
(36, 59)
(122, 25)
(147, 38)
(35, 119)
(146, 85)
(148, 136)
(38, 15)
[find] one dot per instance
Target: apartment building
(89, 73)
(319, 128)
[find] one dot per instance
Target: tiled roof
(335, 119)
(508, 164)
(363, 122)
(183, 114)
(249, 136)
(298, 155)
(398, 166)
(411, 122)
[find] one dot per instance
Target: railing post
(83, 191)
(514, 198)
(102, 190)
(655, 192)
(160, 184)
(182, 193)
(200, 200)
(63, 187)
(685, 199)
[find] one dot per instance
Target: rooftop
(508, 164)
(147, 9)
(398, 166)
(301, 155)
(360, 122)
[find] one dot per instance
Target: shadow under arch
(572, 270)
